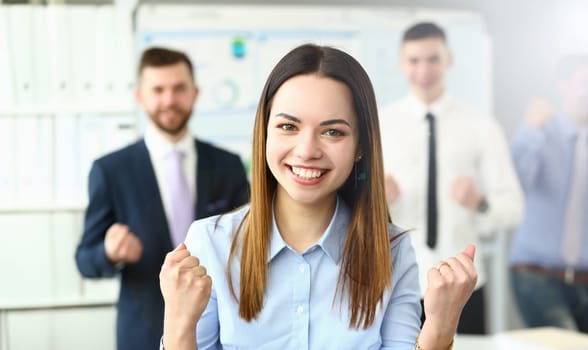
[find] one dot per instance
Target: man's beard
(175, 130)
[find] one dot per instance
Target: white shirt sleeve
(499, 182)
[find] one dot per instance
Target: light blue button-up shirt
(299, 311)
(544, 161)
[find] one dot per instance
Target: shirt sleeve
(499, 182)
(199, 245)
(402, 318)
(208, 328)
(526, 152)
(90, 254)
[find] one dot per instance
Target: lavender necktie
(181, 202)
(576, 208)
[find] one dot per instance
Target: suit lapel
(145, 174)
(149, 189)
(202, 180)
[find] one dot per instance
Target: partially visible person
(143, 197)
(549, 254)
(449, 173)
(314, 261)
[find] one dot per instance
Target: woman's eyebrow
(288, 116)
(323, 123)
(335, 121)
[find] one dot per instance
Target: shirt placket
(301, 303)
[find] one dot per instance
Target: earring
(355, 175)
(358, 175)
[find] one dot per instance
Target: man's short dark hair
(424, 30)
(161, 57)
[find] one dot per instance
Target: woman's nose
(308, 146)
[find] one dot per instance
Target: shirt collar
(159, 146)
(331, 241)
(438, 107)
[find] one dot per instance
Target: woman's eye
(333, 132)
(287, 127)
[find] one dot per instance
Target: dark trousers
(546, 300)
(473, 316)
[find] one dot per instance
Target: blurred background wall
(528, 36)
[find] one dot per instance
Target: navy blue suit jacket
(123, 189)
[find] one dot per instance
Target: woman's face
(312, 138)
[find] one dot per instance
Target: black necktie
(432, 186)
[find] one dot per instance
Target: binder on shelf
(33, 159)
(83, 48)
(107, 59)
(125, 48)
(59, 55)
(20, 26)
(67, 185)
(40, 49)
(45, 158)
(90, 143)
(7, 159)
(26, 160)
(7, 84)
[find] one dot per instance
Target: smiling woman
(313, 261)
(311, 142)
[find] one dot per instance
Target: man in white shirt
(448, 169)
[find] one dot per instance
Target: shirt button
(301, 267)
(299, 309)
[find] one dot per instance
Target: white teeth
(306, 174)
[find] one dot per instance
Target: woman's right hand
(186, 289)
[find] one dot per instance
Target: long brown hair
(366, 262)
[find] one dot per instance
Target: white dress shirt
(158, 147)
(467, 144)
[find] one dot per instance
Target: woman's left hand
(450, 285)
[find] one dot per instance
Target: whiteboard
(234, 47)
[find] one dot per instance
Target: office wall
(528, 36)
